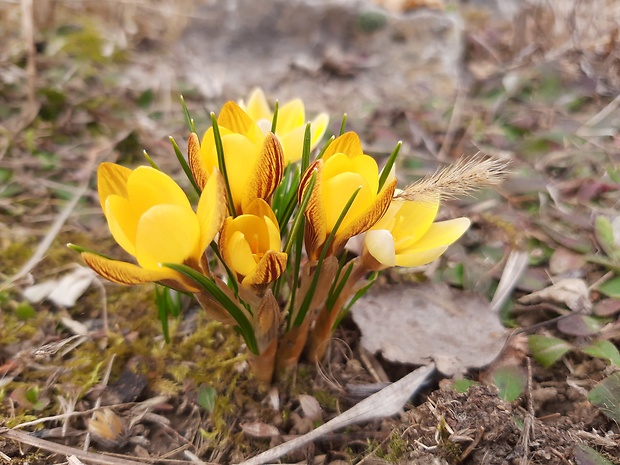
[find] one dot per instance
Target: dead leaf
(258, 429)
(65, 291)
(571, 292)
(311, 407)
(457, 329)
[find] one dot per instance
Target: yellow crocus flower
(408, 236)
(150, 217)
(250, 245)
(339, 173)
(290, 126)
(254, 161)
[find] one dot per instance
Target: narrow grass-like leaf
(343, 125)
(274, 120)
(80, 249)
(232, 279)
(162, 311)
(547, 350)
(184, 165)
(305, 305)
(358, 295)
(305, 153)
(604, 349)
(285, 196)
(150, 160)
(245, 326)
(298, 220)
(337, 287)
(327, 144)
(219, 148)
(388, 165)
(188, 119)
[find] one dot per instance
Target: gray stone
(349, 53)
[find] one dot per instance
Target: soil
(525, 95)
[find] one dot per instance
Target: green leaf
(511, 381)
(343, 125)
(244, 324)
(604, 349)
(606, 396)
(184, 165)
(605, 236)
(25, 311)
(274, 120)
(585, 455)
(611, 288)
(385, 172)
(548, 350)
(188, 119)
(221, 162)
(462, 385)
(206, 398)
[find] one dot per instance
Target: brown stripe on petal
(267, 172)
(267, 270)
(123, 272)
(196, 164)
(367, 220)
(316, 222)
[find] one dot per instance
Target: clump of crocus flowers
(264, 248)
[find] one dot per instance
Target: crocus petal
(290, 116)
(420, 257)
(197, 166)
(349, 143)
(440, 234)
(267, 270)
(212, 210)
(338, 190)
(111, 180)
(293, 144)
(266, 173)
(315, 232)
(368, 219)
(147, 187)
(233, 118)
(380, 244)
(318, 128)
(239, 254)
(257, 107)
(126, 273)
(166, 233)
(260, 208)
(413, 221)
(122, 221)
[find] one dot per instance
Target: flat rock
(349, 53)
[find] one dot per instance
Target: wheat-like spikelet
(460, 178)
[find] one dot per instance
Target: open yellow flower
(339, 173)
(291, 124)
(408, 236)
(254, 161)
(150, 217)
(250, 245)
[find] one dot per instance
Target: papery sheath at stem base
(290, 349)
(263, 364)
(324, 326)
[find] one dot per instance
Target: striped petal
(197, 165)
(111, 180)
(267, 172)
(267, 270)
(315, 232)
(349, 143)
(126, 273)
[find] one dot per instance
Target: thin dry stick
(384, 403)
(461, 178)
(31, 67)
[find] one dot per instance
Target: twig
(384, 403)
(31, 67)
(98, 459)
